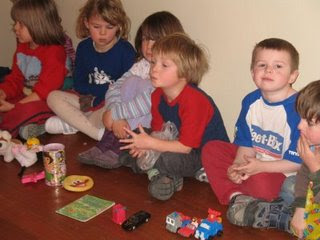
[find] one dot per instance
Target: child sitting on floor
(264, 151)
(177, 67)
(39, 65)
(128, 101)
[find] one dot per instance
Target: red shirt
(42, 69)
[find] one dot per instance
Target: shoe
(275, 214)
(162, 187)
(31, 130)
(55, 125)
(201, 175)
(240, 210)
(94, 156)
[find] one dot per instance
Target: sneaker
(162, 187)
(55, 125)
(240, 210)
(275, 214)
(201, 175)
(94, 156)
(31, 130)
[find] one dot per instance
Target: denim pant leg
(179, 164)
(287, 189)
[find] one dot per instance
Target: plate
(77, 183)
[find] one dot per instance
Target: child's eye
(165, 65)
(311, 123)
(96, 26)
(110, 27)
(261, 65)
(278, 66)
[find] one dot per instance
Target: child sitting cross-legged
(260, 166)
(177, 67)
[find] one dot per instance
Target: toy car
(176, 220)
(208, 229)
(188, 230)
(136, 220)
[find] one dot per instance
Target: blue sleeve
(80, 73)
(242, 131)
(293, 120)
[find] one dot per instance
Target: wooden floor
(27, 212)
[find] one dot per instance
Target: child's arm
(135, 99)
(255, 166)
(143, 141)
(113, 95)
(30, 98)
(298, 223)
(53, 71)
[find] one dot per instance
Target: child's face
(311, 131)
(146, 48)
(272, 72)
(102, 33)
(22, 33)
(164, 74)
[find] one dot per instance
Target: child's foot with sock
(55, 125)
(94, 156)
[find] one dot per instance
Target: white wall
(228, 28)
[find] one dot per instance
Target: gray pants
(169, 163)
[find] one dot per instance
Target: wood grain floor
(27, 212)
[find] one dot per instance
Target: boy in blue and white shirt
(263, 154)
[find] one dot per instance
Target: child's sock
(55, 125)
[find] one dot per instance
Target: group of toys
(131, 223)
(208, 228)
(25, 154)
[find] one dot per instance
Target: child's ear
(86, 23)
(293, 76)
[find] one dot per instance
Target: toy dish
(77, 183)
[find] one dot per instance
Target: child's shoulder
(124, 45)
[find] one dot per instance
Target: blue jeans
(287, 190)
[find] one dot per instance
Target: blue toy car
(208, 229)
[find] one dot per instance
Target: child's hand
(118, 128)
(86, 102)
(137, 141)
(137, 152)
(235, 175)
(311, 159)
(3, 95)
(5, 106)
(107, 120)
(298, 223)
(250, 168)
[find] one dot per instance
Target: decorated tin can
(54, 164)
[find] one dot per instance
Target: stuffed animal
(14, 149)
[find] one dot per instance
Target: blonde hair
(156, 26)
(110, 11)
(42, 20)
(191, 60)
